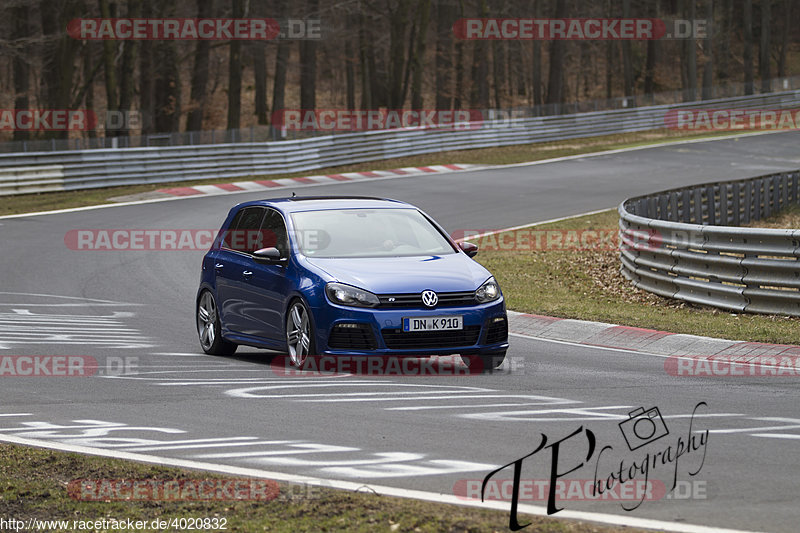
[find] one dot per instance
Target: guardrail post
(687, 213)
(723, 204)
(757, 185)
(711, 205)
(673, 204)
(698, 206)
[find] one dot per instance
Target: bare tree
(747, 53)
(445, 18)
(199, 83)
(127, 74)
(235, 74)
(555, 80)
(21, 68)
(708, 57)
(308, 64)
(627, 67)
(109, 67)
(418, 59)
(764, 55)
(723, 34)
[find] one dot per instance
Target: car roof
(316, 203)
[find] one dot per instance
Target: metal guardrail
(84, 169)
(683, 243)
(267, 133)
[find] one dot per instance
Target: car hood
(393, 275)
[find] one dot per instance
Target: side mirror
(268, 255)
(468, 248)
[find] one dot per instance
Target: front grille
(352, 337)
(397, 339)
(497, 332)
(446, 299)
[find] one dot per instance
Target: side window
(245, 236)
(226, 236)
(274, 232)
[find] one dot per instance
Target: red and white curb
(327, 179)
(647, 341)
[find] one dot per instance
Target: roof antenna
(294, 194)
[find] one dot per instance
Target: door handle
(247, 274)
(218, 266)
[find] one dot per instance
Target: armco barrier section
(84, 169)
(683, 243)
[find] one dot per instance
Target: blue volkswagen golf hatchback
(347, 276)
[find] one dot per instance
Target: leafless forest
(373, 54)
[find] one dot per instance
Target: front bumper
(345, 330)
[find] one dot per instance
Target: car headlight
(487, 292)
(340, 293)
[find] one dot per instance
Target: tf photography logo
(611, 474)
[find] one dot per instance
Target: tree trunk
(764, 55)
(708, 54)
(480, 68)
(445, 18)
(397, 39)
(747, 54)
(146, 77)
(21, 67)
(627, 67)
(235, 74)
(691, 56)
(536, 64)
(127, 68)
(458, 97)
(308, 64)
(418, 61)
(365, 72)
(349, 65)
(109, 66)
(724, 37)
(787, 17)
(59, 55)
(555, 81)
(199, 83)
(499, 77)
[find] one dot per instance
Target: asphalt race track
(133, 310)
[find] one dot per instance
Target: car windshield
(367, 233)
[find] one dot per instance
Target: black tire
(300, 334)
(485, 362)
(209, 327)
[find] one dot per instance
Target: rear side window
(243, 234)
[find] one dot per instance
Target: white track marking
(227, 444)
(85, 301)
(536, 510)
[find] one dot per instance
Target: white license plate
(433, 323)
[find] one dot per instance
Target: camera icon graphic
(643, 427)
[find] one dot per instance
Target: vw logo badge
(429, 298)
